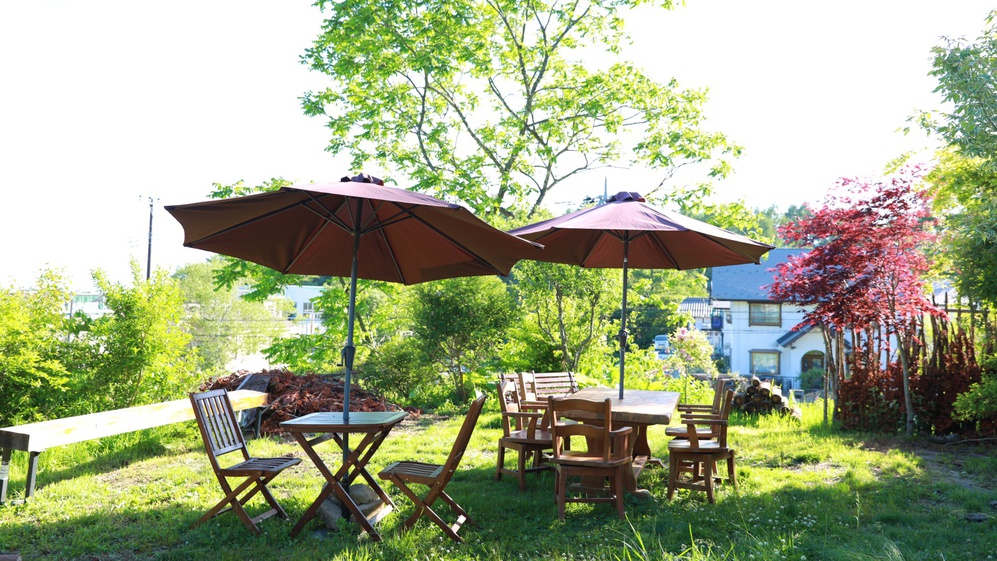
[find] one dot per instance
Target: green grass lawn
(806, 492)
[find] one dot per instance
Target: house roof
(701, 308)
(795, 333)
(749, 282)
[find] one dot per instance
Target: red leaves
(294, 395)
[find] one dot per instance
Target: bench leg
(29, 485)
(4, 474)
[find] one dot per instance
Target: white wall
(740, 339)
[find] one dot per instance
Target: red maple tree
(864, 273)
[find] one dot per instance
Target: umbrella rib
(464, 248)
(244, 223)
(330, 216)
(664, 249)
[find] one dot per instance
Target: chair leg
(521, 474)
(618, 492)
(500, 463)
(708, 467)
(233, 502)
(731, 470)
(562, 490)
(673, 471)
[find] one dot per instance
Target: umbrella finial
(625, 196)
(364, 178)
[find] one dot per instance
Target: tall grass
(806, 492)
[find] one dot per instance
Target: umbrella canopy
(357, 228)
(627, 232)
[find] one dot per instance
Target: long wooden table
(638, 409)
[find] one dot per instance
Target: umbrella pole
(350, 351)
(623, 316)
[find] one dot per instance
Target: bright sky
(104, 104)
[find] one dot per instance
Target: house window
(764, 314)
(765, 363)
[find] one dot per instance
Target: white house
(763, 336)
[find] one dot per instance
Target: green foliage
(459, 323)
(691, 353)
(571, 306)
(33, 335)
(397, 369)
(222, 324)
(139, 352)
(496, 103)
(812, 379)
(966, 191)
(980, 402)
(965, 71)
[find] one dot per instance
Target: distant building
(707, 316)
(90, 303)
(761, 335)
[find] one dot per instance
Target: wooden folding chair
(436, 477)
(222, 435)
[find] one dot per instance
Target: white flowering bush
(691, 352)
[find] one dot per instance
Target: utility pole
(148, 264)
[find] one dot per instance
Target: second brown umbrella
(356, 228)
(627, 232)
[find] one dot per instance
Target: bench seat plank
(37, 437)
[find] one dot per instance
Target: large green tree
(965, 179)
(460, 322)
(498, 102)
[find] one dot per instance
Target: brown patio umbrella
(357, 228)
(627, 232)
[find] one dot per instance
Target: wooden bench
(538, 386)
(35, 438)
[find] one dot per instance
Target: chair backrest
(463, 437)
(538, 386)
(219, 426)
(516, 381)
(589, 431)
(720, 430)
(509, 403)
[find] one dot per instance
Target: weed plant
(806, 492)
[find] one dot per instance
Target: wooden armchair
(222, 435)
(720, 409)
(526, 432)
(436, 477)
(605, 455)
(692, 459)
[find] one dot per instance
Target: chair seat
(413, 472)
(705, 447)
(583, 459)
(683, 431)
(523, 437)
(254, 466)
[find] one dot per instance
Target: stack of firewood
(763, 397)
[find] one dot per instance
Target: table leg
(4, 474)
(353, 464)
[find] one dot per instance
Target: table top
(647, 407)
(360, 421)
